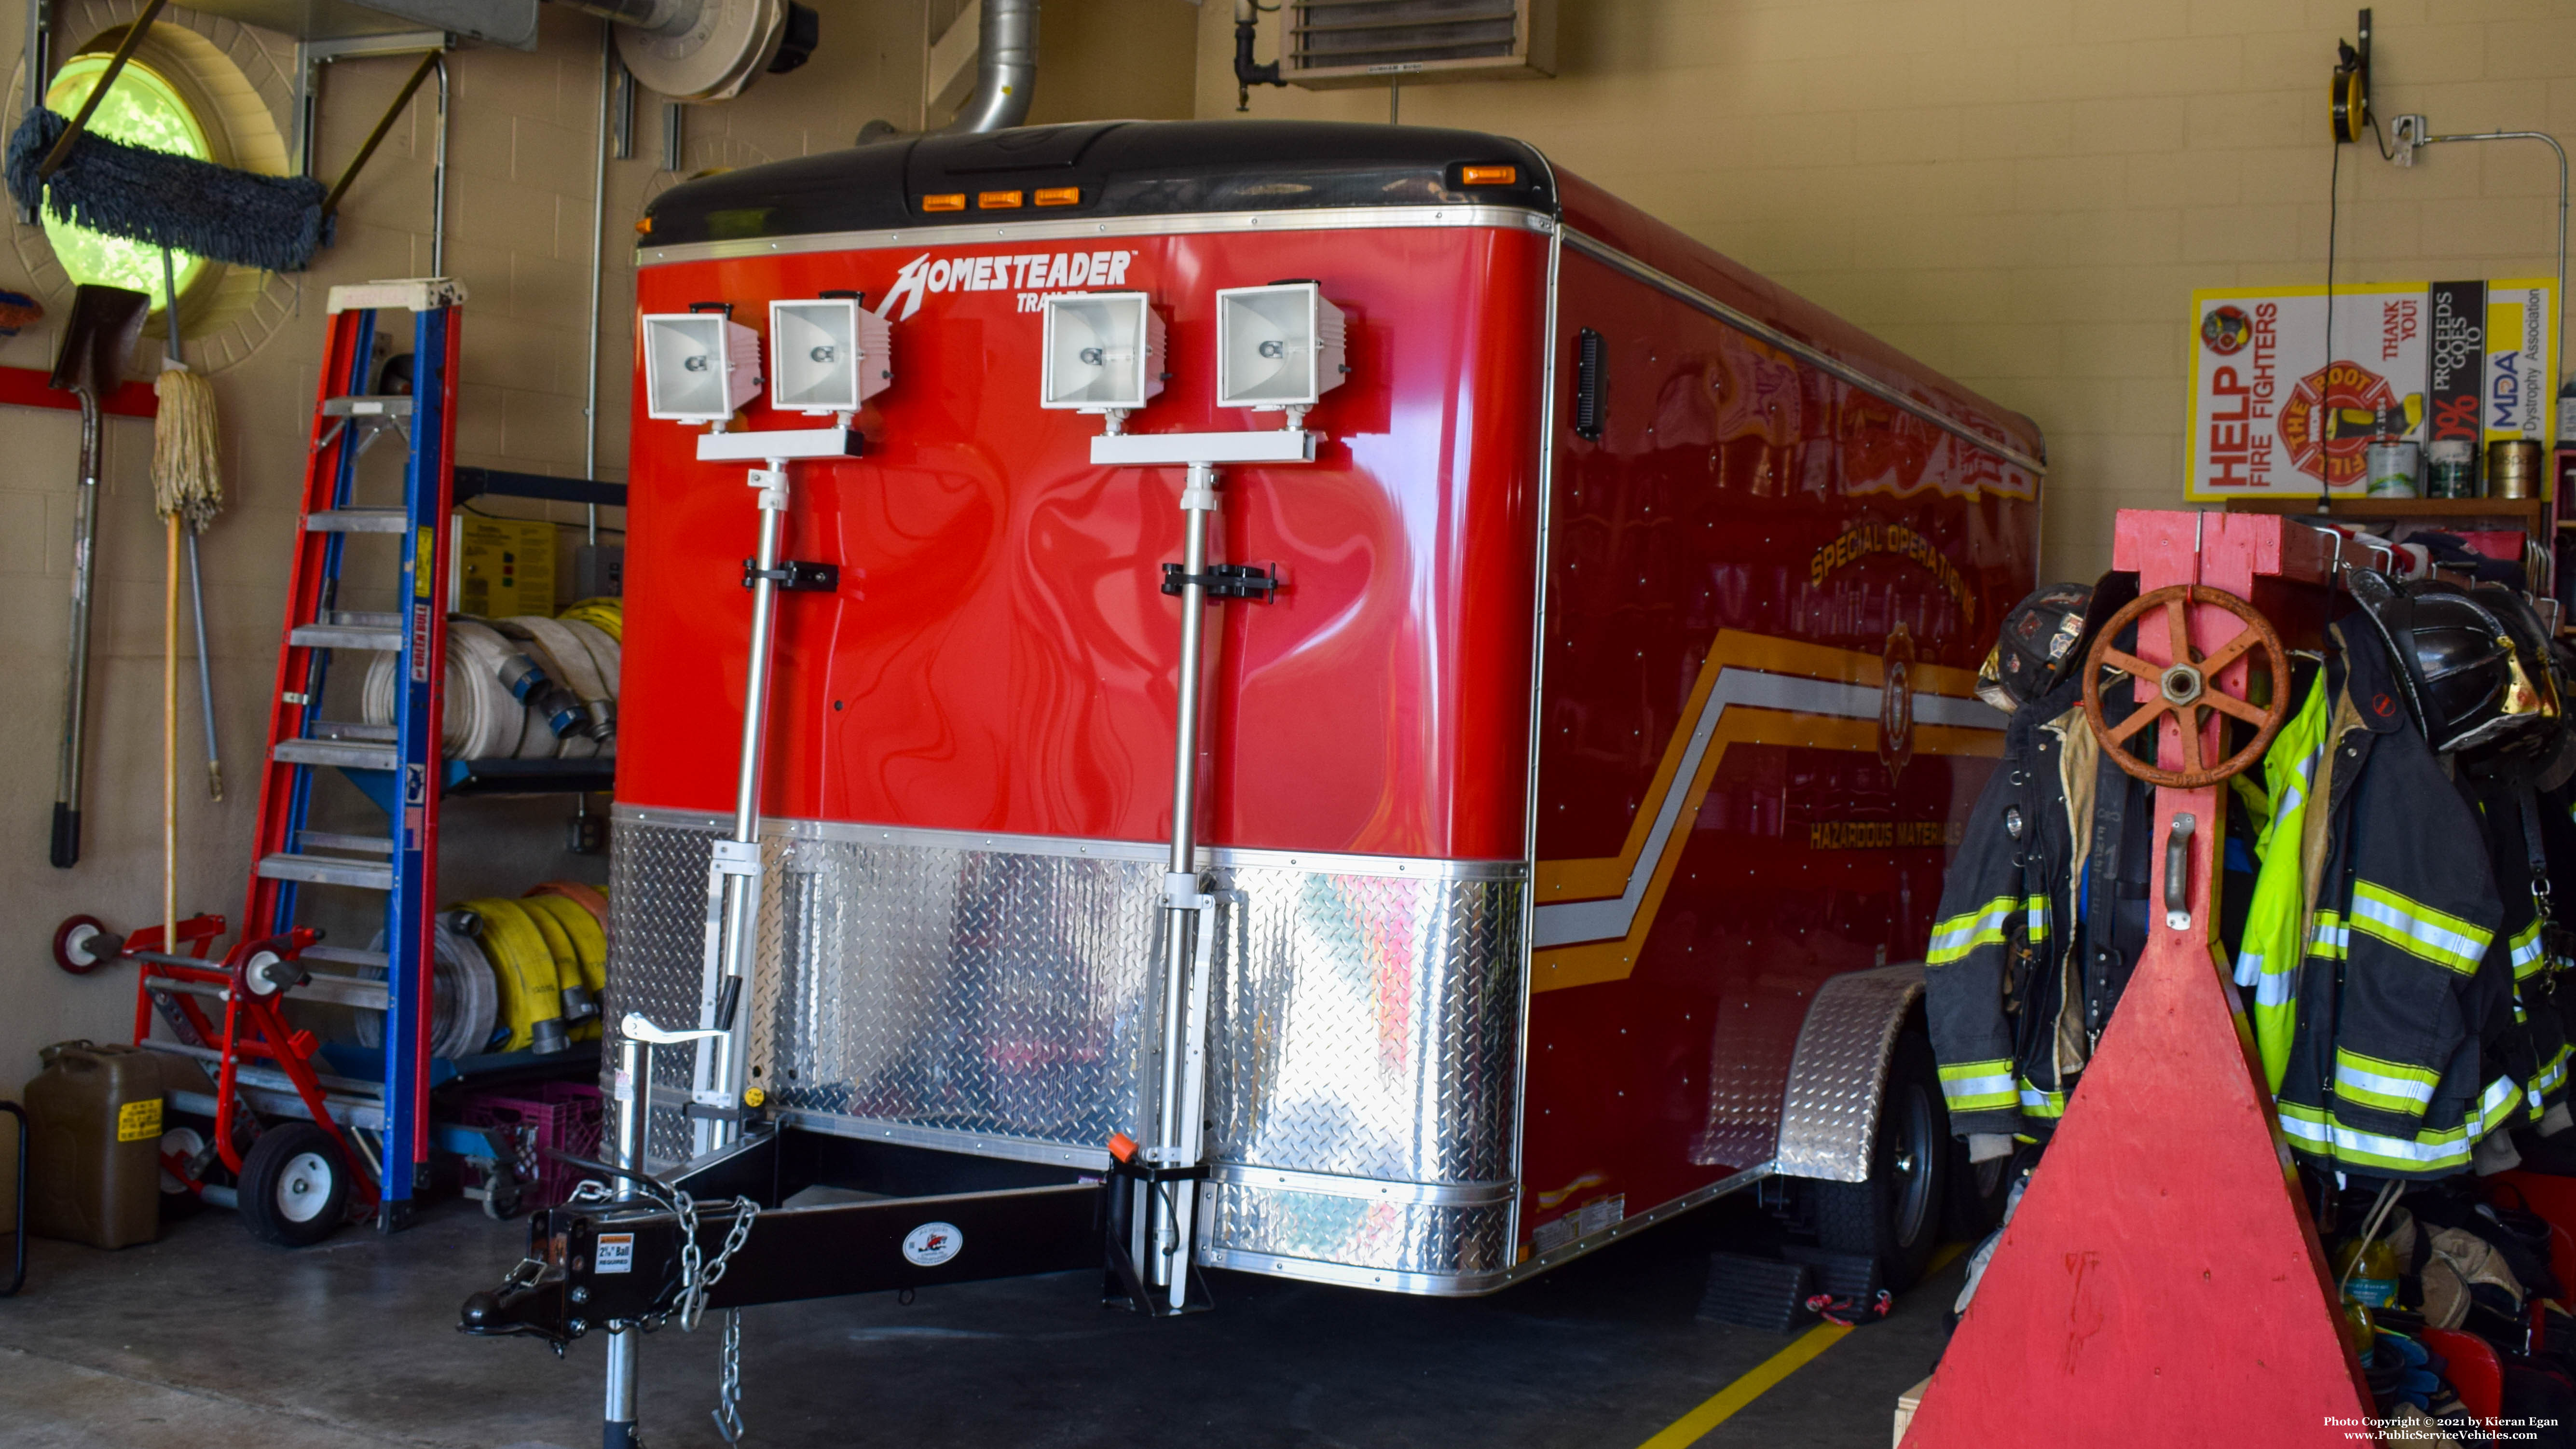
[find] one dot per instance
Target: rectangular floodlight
(1279, 346)
(699, 367)
(1103, 350)
(826, 355)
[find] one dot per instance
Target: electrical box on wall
(1334, 43)
(503, 567)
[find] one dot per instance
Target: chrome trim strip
(1538, 685)
(1322, 862)
(1321, 218)
(1807, 352)
(1425, 1285)
(1699, 1197)
(971, 1144)
(1435, 1194)
(1567, 922)
(1470, 1285)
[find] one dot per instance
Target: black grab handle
(66, 836)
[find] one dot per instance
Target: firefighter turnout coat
(2042, 915)
(2385, 1074)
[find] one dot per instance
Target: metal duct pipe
(1006, 69)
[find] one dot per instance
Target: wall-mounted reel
(707, 50)
(2348, 97)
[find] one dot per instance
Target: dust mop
(187, 488)
(178, 202)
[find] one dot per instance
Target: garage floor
(207, 1340)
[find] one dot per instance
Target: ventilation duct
(1332, 43)
(1006, 70)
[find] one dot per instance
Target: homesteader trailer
(1585, 714)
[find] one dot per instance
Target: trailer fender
(1838, 1074)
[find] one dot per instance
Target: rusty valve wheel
(2187, 688)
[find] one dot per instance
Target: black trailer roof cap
(1099, 169)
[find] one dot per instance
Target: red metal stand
(2161, 1282)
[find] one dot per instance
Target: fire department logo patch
(1896, 703)
(2329, 418)
(2225, 330)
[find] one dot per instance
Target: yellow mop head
(187, 465)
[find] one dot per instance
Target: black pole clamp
(1225, 581)
(794, 576)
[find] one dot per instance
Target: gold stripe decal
(1752, 689)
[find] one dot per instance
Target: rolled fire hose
(545, 953)
(464, 998)
(587, 944)
(531, 973)
(547, 694)
(607, 615)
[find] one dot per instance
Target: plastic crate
(563, 1116)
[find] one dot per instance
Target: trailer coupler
(614, 1264)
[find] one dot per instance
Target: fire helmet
(2454, 660)
(2045, 636)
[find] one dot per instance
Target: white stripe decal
(1569, 922)
(2273, 990)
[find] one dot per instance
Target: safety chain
(697, 1278)
(728, 1410)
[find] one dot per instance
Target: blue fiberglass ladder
(403, 864)
(381, 1095)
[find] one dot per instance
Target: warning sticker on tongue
(616, 1253)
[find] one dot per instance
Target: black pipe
(1246, 73)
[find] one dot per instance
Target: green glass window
(142, 109)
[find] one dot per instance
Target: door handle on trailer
(2178, 874)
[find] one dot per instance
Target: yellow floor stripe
(1690, 1428)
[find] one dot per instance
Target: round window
(142, 109)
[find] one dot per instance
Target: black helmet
(2530, 642)
(2454, 660)
(2044, 638)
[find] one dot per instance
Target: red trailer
(1582, 719)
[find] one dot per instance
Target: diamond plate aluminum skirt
(1426, 1239)
(992, 994)
(1829, 1116)
(657, 891)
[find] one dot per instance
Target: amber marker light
(1488, 175)
(997, 200)
(1059, 196)
(945, 201)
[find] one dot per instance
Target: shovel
(98, 340)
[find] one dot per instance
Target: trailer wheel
(294, 1186)
(1896, 1215)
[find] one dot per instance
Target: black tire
(294, 1186)
(1896, 1216)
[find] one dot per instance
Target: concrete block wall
(2024, 193)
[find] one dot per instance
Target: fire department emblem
(1896, 703)
(2329, 419)
(2225, 330)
